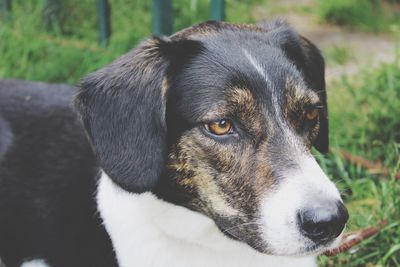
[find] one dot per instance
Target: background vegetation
(70, 49)
(365, 120)
(364, 107)
(372, 15)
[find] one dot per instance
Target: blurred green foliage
(365, 120)
(366, 114)
(338, 54)
(370, 15)
(70, 50)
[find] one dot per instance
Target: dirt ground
(367, 50)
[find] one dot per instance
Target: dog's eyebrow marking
(243, 98)
(255, 64)
(298, 91)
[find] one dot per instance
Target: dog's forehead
(234, 64)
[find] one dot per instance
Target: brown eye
(220, 127)
(312, 114)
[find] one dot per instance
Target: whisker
(242, 224)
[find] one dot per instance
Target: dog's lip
(332, 245)
(318, 249)
(313, 250)
(310, 249)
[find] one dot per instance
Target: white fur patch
(300, 188)
(35, 263)
(259, 68)
(147, 231)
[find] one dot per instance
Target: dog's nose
(323, 223)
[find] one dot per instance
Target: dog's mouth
(309, 248)
(315, 249)
(297, 244)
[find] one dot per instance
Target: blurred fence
(162, 15)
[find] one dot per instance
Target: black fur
(47, 180)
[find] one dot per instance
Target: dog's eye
(220, 127)
(312, 114)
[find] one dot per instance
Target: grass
(364, 110)
(368, 15)
(364, 115)
(70, 50)
(371, 105)
(338, 54)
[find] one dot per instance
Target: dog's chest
(147, 231)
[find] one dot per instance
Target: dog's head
(220, 118)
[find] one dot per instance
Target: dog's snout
(324, 222)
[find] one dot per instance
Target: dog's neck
(147, 231)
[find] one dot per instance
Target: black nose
(324, 222)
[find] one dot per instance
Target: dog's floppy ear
(309, 61)
(123, 106)
(314, 72)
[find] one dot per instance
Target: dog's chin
(308, 249)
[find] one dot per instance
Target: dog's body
(47, 180)
(200, 140)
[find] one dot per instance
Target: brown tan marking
(297, 98)
(242, 102)
(197, 175)
(164, 86)
(224, 178)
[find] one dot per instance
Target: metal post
(162, 17)
(6, 5)
(104, 13)
(218, 9)
(50, 13)
(5, 9)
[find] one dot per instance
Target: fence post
(6, 5)
(162, 17)
(218, 9)
(50, 13)
(104, 13)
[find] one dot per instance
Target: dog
(190, 150)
